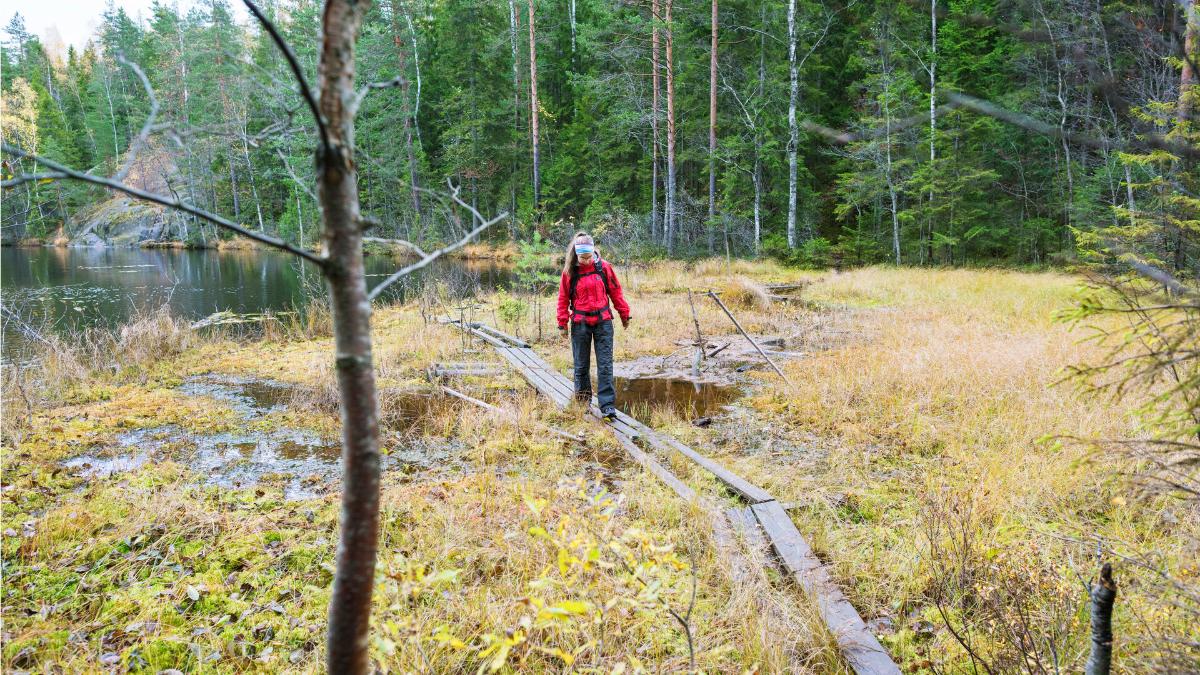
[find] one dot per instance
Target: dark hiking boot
(609, 413)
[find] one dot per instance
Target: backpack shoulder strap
(603, 276)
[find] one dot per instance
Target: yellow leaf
(539, 532)
(535, 504)
(573, 606)
(566, 658)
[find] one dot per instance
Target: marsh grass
(150, 569)
(916, 439)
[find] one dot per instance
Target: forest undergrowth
(921, 442)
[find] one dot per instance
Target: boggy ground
(910, 437)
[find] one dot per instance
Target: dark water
(689, 400)
(73, 288)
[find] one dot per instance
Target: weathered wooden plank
(751, 492)
(534, 378)
(859, 646)
(551, 379)
(722, 532)
(493, 341)
(501, 334)
(650, 464)
(797, 286)
(745, 524)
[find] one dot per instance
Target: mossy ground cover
(926, 401)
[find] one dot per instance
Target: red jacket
(590, 296)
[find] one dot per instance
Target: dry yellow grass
(925, 397)
(245, 579)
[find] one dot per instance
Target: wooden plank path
(764, 519)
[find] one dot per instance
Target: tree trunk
(1060, 95)
(416, 111)
(712, 130)
(533, 116)
(1187, 81)
(250, 172)
(887, 142)
(516, 78)
(762, 79)
(112, 116)
(233, 187)
(671, 207)
(655, 105)
(793, 129)
(337, 191)
(1187, 78)
(402, 57)
(1103, 595)
(571, 13)
(932, 122)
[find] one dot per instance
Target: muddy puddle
(686, 398)
(301, 463)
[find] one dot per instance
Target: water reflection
(73, 288)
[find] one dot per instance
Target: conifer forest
(894, 309)
(959, 132)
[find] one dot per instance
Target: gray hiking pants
(582, 338)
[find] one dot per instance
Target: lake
(73, 288)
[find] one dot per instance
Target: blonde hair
(572, 259)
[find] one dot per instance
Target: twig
(297, 71)
(399, 242)
(699, 336)
(299, 183)
(508, 413)
(157, 199)
(30, 178)
(405, 271)
(362, 93)
(144, 134)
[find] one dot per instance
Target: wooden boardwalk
(762, 518)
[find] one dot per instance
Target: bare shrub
(1005, 605)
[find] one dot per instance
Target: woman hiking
(583, 294)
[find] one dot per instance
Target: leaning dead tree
(341, 264)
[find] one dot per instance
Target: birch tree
(672, 216)
(533, 115)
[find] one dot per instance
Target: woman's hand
(625, 322)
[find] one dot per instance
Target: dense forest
(815, 132)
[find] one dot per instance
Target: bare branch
(140, 142)
(397, 242)
(425, 260)
(1026, 122)
(301, 184)
(297, 71)
(158, 199)
(362, 93)
(30, 178)
(1166, 280)
(847, 137)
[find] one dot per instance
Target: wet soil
(302, 463)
